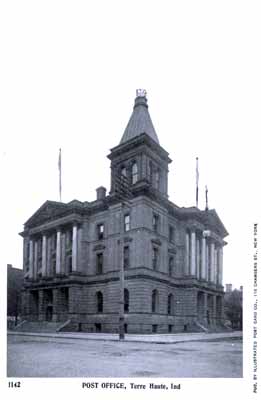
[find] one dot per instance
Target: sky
(69, 79)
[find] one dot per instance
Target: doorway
(49, 313)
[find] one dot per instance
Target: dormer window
(134, 173)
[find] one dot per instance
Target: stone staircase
(40, 326)
(218, 328)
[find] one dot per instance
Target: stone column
(222, 314)
(193, 253)
(187, 254)
(205, 307)
(198, 258)
(207, 260)
(49, 249)
(58, 252)
(55, 305)
(215, 266)
(214, 315)
(24, 255)
(143, 166)
(44, 256)
(79, 249)
(31, 259)
(220, 266)
(63, 253)
(203, 258)
(74, 249)
(212, 261)
(41, 306)
(35, 259)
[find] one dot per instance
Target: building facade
(14, 289)
(172, 256)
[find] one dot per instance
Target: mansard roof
(140, 120)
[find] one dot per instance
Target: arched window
(134, 173)
(170, 304)
(154, 301)
(99, 302)
(157, 178)
(126, 300)
(123, 172)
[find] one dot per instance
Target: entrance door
(49, 313)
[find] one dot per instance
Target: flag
(197, 179)
(60, 174)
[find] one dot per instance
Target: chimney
(101, 193)
(228, 287)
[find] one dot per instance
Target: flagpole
(60, 174)
(206, 191)
(197, 179)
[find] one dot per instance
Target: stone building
(14, 289)
(172, 256)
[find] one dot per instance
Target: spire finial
(141, 93)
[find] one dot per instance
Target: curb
(156, 341)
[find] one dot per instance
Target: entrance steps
(218, 328)
(40, 326)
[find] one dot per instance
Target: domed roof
(140, 121)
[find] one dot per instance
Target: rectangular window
(155, 223)
(100, 231)
(171, 266)
(126, 223)
(171, 233)
(154, 328)
(69, 263)
(99, 263)
(126, 257)
(155, 257)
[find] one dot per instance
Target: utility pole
(124, 195)
(121, 250)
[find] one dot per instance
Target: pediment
(48, 211)
(214, 221)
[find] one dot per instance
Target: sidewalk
(159, 339)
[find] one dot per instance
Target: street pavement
(89, 355)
